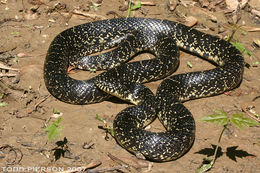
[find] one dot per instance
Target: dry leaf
(191, 21)
(187, 3)
(243, 3)
(29, 15)
(255, 12)
(232, 5)
(204, 3)
(172, 4)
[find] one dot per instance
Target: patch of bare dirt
(27, 28)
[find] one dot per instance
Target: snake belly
(128, 37)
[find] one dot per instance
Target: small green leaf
(241, 48)
(16, 33)
(220, 117)
(239, 121)
(100, 118)
(206, 166)
(189, 64)
(95, 5)
(54, 130)
(255, 64)
(29, 26)
(137, 5)
(3, 104)
(249, 53)
(111, 131)
(93, 70)
(55, 111)
(244, 32)
(15, 59)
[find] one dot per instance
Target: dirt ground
(27, 28)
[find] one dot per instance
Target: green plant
(95, 5)
(239, 45)
(222, 119)
(189, 64)
(137, 5)
(54, 130)
(3, 104)
(241, 48)
(109, 129)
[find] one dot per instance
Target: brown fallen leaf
(202, 11)
(232, 5)
(172, 4)
(191, 21)
(204, 3)
(255, 12)
(187, 3)
(3, 1)
(243, 3)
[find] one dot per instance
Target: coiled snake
(127, 37)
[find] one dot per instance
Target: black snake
(128, 37)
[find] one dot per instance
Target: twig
(148, 3)
(41, 101)
(93, 16)
(122, 163)
(2, 66)
(7, 74)
(116, 159)
(246, 110)
(11, 148)
(219, 139)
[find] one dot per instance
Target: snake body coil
(127, 37)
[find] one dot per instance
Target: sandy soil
(28, 27)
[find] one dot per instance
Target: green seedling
(137, 5)
(189, 64)
(109, 129)
(15, 60)
(95, 5)
(16, 33)
(222, 119)
(241, 48)
(3, 104)
(54, 130)
(56, 111)
(255, 64)
(93, 70)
